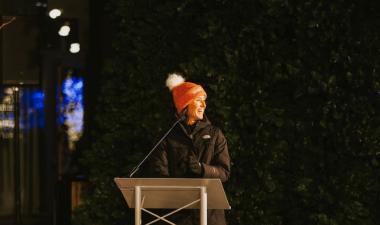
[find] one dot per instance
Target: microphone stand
(135, 169)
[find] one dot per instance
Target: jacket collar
(199, 125)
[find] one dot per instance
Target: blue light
(38, 100)
(32, 108)
(71, 107)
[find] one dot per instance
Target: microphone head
(182, 115)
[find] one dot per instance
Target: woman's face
(196, 109)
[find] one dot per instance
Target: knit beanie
(183, 92)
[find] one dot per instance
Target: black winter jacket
(209, 145)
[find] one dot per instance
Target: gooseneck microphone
(181, 118)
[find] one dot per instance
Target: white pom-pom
(174, 80)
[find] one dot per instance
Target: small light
(54, 13)
(74, 47)
(64, 30)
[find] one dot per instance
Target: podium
(172, 193)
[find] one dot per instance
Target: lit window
(71, 108)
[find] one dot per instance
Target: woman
(194, 149)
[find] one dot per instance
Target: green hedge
(293, 84)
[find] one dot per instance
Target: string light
(74, 47)
(8, 22)
(64, 30)
(54, 13)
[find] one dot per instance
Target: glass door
(21, 152)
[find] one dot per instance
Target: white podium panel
(170, 193)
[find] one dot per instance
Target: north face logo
(206, 136)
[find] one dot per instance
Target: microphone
(181, 117)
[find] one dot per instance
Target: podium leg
(137, 205)
(203, 209)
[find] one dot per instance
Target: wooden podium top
(171, 193)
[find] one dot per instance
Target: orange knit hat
(183, 92)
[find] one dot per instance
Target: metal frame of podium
(172, 193)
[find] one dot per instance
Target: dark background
(294, 85)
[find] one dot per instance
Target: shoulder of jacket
(215, 128)
(216, 131)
